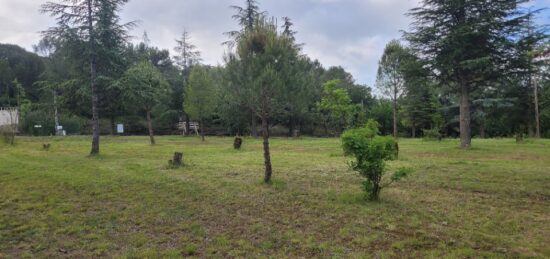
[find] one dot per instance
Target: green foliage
(336, 100)
(371, 152)
(470, 53)
(16, 64)
(145, 85)
(36, 116)
(390, 79)
(6, 134)
(336, 105)
(477, 48)
(200, 94)
(469, 47)
(432, 134)
(190, 249)
(187, 53)
(420, 103)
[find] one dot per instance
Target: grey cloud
(350, 33)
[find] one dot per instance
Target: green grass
(490, 201)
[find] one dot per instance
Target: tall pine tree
(465, 44)
(265, 58)
(94, 26)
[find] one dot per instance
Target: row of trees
(65, 74)
(485, 58)
(459, 71)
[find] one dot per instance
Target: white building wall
(8, 116)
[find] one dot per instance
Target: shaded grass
(492, 201)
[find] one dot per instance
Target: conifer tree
(187, 56)
(92, 26)
(264, 58)
(528, 68)
(187, 53)
(465, 44)
(247, 17)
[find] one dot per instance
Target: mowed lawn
(492, 200)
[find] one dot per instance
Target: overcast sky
(349, 33)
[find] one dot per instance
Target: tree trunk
(150, 126)
(530, 129)
(13, 125)
(187, 122)
(482, 129)
(56, 115)
(375, 195)
(177, 161)
(201, 125)
(465, 129)
(395, 113)
(113, 126)
(265, 135)
(413, 130)
(267, 155)
(237, 143)
(95, 99)
(325, 126)
(537, 113)
(376, 188)
(253, 128)
(291, 127)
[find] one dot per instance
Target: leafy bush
(71, 124)
(7, 134)
(432, 134)
(519, 138)
(38, 117)
(371, 153)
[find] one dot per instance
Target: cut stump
(177, 161)
(237, 143)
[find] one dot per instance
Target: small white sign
(120, 128)
(38, 126)
(59, 127)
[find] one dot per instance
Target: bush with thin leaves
(7, 134)
(370, 152)
(432, 134)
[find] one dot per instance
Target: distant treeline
(417, 89)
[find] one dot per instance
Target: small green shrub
(432, 134)
(7, 134)
(371, 153)
(520, 138)
(190, 249)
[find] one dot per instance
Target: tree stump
(396, 150)
(177, 161)
(237, 143)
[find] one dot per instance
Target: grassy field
(491, 201)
